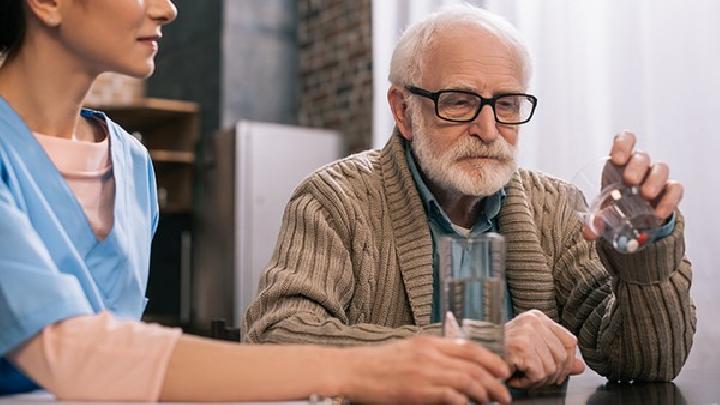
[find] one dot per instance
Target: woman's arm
(98, 358)
(422, 369)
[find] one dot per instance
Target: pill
(632, 245)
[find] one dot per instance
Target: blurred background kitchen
(250, 96)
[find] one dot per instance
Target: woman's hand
(425, 369)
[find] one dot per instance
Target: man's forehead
(497, 85)
(472, 58)
(479, 75)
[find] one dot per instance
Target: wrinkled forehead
(474, 57)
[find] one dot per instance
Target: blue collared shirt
(440, 225)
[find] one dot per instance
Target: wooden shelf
(164, 124)
(172, 156)
(169, 130)
(151, 104)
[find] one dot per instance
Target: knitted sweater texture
(353, 265)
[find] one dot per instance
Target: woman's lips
(150, 41)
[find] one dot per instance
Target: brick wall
(335, 68)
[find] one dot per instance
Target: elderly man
(357, 257)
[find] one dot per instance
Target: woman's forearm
(97, 358)
(206, 370)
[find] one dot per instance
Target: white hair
(408, 57)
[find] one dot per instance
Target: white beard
(455, 171)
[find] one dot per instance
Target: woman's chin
(139, 71)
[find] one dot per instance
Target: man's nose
(484, 125)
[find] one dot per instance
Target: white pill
(632, 245)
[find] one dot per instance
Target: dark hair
(12, 25)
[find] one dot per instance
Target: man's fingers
(535, 370)
(564, 371)
(637, 168)
(567, 344)
(549, 367)
(669, 199)
(567, 339)
(558, 352)
(622, 147)
(529, 366)
(542, 349)
(655, 182)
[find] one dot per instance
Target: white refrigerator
(247, 175)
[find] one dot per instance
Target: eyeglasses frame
(435, 97)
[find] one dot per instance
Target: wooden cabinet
(169, 129)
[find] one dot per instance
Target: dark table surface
(696, 384)
(692, 387)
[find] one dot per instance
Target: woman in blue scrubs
(71, 297)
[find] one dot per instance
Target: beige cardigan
(353, 265)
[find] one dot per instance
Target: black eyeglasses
(464, 106)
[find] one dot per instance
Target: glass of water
(472, 279)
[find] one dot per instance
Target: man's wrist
(666, 229)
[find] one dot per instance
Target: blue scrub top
(52, 266)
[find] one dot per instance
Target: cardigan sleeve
(632, 313)
(308, 286)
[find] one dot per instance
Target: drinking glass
(615, 211)
(472, 277)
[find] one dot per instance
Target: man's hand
(652, 178)
(540, 351)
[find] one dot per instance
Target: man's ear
(47, 12)
(398, 106)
